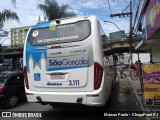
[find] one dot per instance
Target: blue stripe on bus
(35, 54)
(64, 68)
(41, 25)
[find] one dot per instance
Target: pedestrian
(136, 66)
(132, 71)
(121, 70)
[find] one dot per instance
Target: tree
(7, 15)
(4, 16)
(53, 11)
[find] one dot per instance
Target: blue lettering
(69, 62)
(54, 84)
(50, 62)
(76, 62)
(80, 62)
(55, 63)
(65, 62)
(60, 62)
(86, 62)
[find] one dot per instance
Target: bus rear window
(61, 33)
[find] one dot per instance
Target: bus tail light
(98, 73)
(26, 77)
(58, 46)
(2, 88)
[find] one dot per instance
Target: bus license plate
(57, 76)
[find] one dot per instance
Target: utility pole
(130, 34)
(131, 29)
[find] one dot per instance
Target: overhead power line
(109, 7)
(126, 8)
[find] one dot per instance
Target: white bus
(64, 63)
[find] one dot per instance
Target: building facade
(149, 24)
(18, 35)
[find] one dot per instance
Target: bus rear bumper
(95, 98)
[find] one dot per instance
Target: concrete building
(11, 55)
(18, 35)
(148, 23)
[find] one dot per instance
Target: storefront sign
(152, 16)
(151, 80)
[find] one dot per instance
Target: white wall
(144, 57)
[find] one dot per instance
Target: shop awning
(144, 45)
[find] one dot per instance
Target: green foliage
(53, 11)
(7, 15)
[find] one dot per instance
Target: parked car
(11, 88)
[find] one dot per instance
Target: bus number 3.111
(74, 83)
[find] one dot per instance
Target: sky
(29, 14)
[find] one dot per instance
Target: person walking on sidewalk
(121, 70)
(136, 66)
(132, 71)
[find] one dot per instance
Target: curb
(138, 98)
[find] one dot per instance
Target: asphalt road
(123, 99)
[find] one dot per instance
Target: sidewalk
(136, 85)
